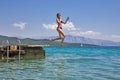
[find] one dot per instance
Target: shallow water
(67, 63)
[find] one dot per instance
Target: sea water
(66, 63)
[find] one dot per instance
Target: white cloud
(116, 36)
(68, 26)
(50, 26)
(86, 33)
(20, 25)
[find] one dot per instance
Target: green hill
(29, 41)
(26, 41)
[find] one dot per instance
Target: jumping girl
(59, 28)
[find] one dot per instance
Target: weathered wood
(27, 52)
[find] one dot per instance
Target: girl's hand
(66, 20)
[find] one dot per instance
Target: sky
(98, 19)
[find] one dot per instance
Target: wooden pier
(25, 52)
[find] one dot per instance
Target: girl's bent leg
(61, 33)
(62, 41)
(55, 39)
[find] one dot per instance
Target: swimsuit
(59, 28)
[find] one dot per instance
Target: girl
(59, 28)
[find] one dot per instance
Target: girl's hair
(58, 14)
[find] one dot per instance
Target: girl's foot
(61, 44)
(50, 42)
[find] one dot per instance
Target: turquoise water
(67, 63)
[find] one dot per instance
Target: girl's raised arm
(65, 21)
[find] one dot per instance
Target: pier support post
(19, 49)
(7, 50)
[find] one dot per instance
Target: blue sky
(99, 19)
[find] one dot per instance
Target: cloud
(20, 25)
(86, 33)
(68, 26)
(50, 26)
(116, 36)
